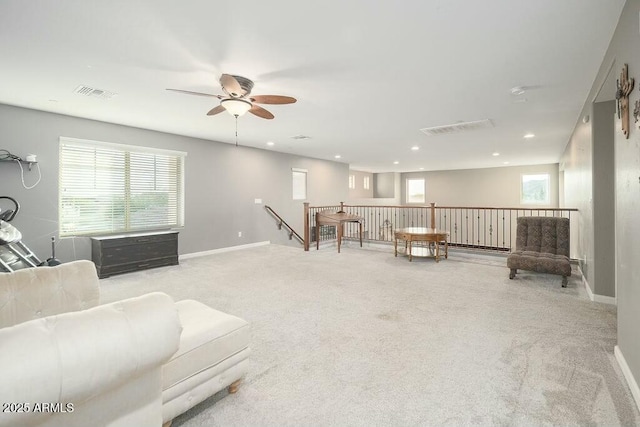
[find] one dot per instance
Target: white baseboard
(631, 381)
(595, 297)
(604, 299)
(221, 250)
(586, 284)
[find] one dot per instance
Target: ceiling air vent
(457, 127)
(300, 137)
(94, 93)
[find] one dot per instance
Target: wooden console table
(422, 234)
(337, 219)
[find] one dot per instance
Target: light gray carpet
(363, 339)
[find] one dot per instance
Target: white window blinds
(112, 188)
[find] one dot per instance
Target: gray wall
(360, 192)
(578, 192)
(579, 187)
(489, 187)
(384, 185)
(603, 203)
(221, 183)
(386, 191)
(589, 185)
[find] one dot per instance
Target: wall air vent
(457, 127)
(94, 93)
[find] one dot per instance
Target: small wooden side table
(336, 219)
(422, 234)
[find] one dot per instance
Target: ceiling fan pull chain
(236, 130)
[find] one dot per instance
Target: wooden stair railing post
(306, 226)
(433, 215)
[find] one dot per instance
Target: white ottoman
(213, 352)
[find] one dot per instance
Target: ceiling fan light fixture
(236, 107)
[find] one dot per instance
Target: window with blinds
(112, 188)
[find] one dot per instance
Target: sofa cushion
(543, 234)
(540, 262)
(208, 338)
(38, 292)
(106, 361)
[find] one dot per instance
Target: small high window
(415, 190)
(534, 189)
(366, 182)
(299, 178)
(352, 182)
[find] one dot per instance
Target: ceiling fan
(238, 99)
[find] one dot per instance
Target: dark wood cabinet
(132, 252)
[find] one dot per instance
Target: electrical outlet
(239, 233)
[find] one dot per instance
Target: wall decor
(636, 111)
(625, 86)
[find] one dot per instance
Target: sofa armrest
(76, 357)
(38, 292)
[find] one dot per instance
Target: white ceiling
(368, 75)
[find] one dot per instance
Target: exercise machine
(14, 254)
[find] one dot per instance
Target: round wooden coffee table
(421, 234)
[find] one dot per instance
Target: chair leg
(565, 279)
(512, 273)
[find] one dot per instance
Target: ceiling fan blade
(216, 110)
(260, 112)
(188, 92)
(231, 86)
(273, 99)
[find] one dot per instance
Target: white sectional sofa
(96, 367)
(212, 350)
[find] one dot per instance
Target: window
(299, 177)
(366, 183)
(352, 182)
(415, 190)
(113, 188)
(534, 189)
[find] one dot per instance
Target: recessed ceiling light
(495, 154)
(396, 162)
(415, 148)
(505, 163)
(421, 169)
(529, 135)
(270, 143)
(518, 90)
(337, 156)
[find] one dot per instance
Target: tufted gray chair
(542, 245)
